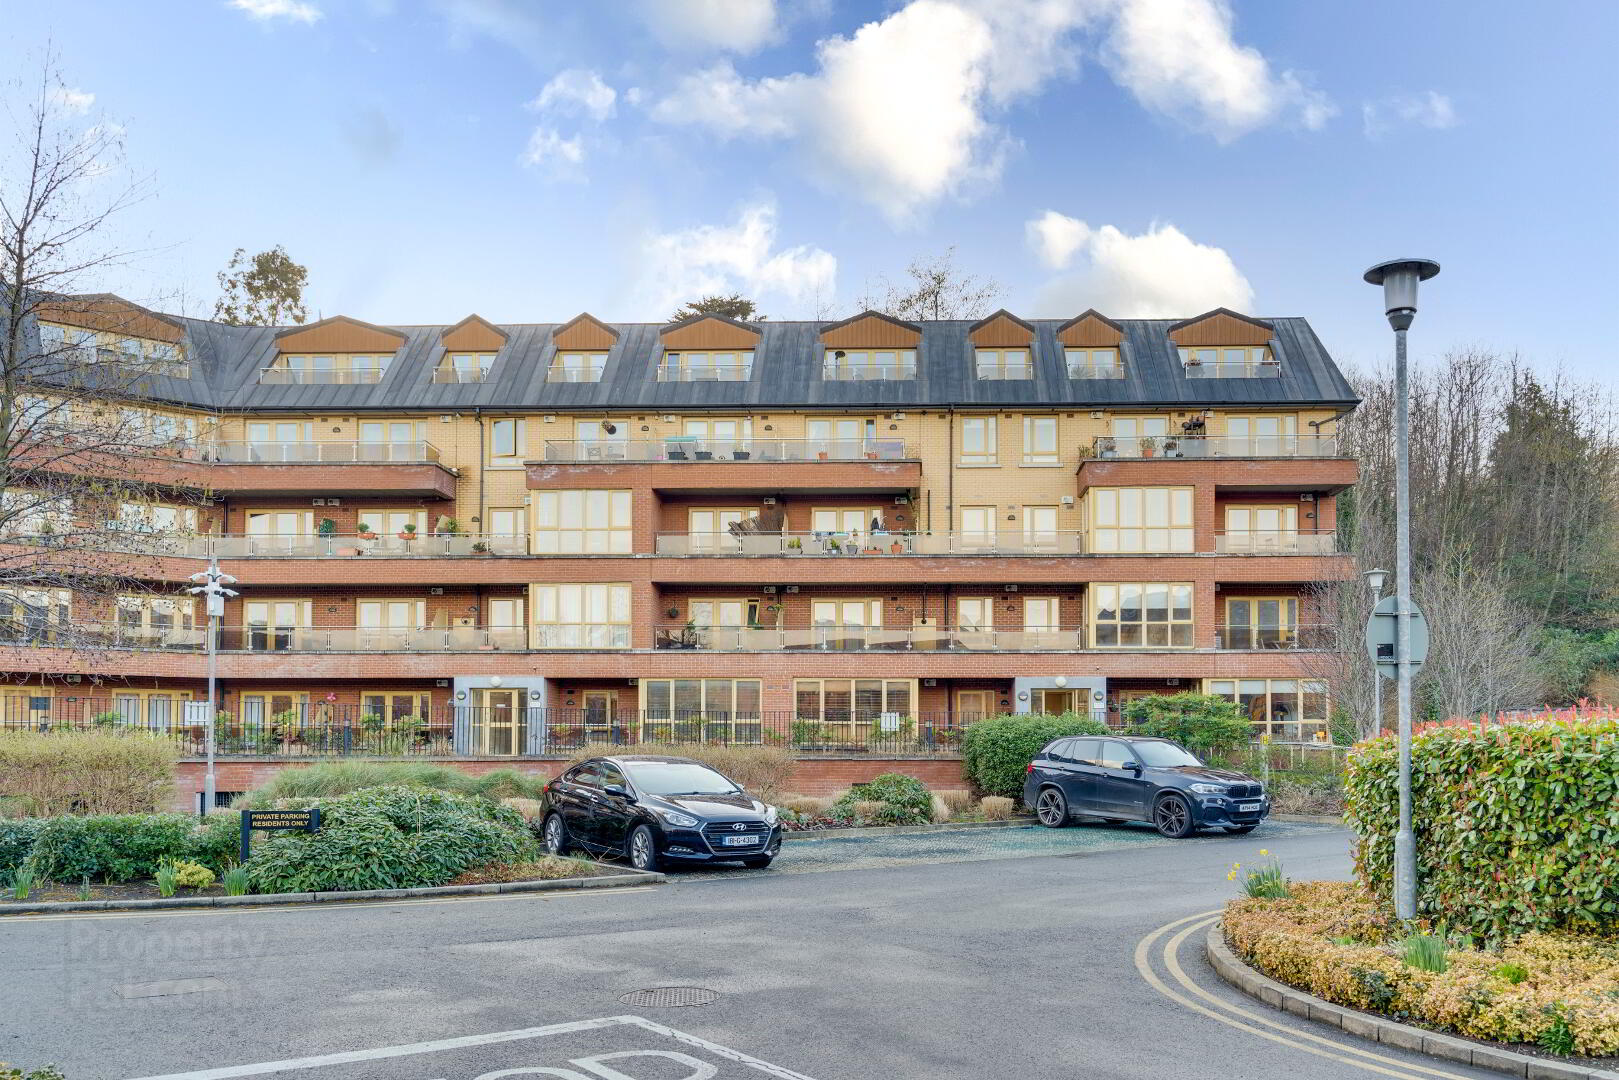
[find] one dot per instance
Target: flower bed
(1336, 941)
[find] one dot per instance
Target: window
(844, 365)
(280, 523)
(602, 440)
(157, 357)
(464, 367)
(727, 616)
(842, 519)
(24, 512)
(508, 443)
(1240, 362)
(581, 522)
(1003, 364)
(1262, 436)
(706, 367)
(154, 518)
(581, 616)
(1261, 622)
(1250, 529)
(394, 708)
(978, 440)
(1093, 363)
(276, 625)
(145, 427)
(840, 439)
(280, 440)
(1040, 440)
(975, 613)
(576, 367)
(1157, 519)
(846, 624)
(1293, 710)
(506, 530)
(338, 369)
(34, 615)
(156, 620)
(393, 522)
(1042, 613)
(709, 530)
(388, 624)
(505, 614)
(1040, 529)
(155, 710)
(725, 710)
(1134, 427)
(853, 709)
(978, 527)
(717, 438)
(1136, 616)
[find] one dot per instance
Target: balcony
(409, 468)
(322, 453)
(1302, 636)
(1215, 446)
(1221, 369)
(291, 376)
(867, 639)
(894, 371)
(820, 544)
(1286, 542)
(390, 546)
(255, 639)
(694, 449)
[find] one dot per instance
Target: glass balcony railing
(690, 448)
(300, 376)
(322, 453)
(369, 639)
(1274, 542)
(867, 639)
(1215, 446)
(846, 544)
(1248, 638)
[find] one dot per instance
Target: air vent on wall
(1010, 588)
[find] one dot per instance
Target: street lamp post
(1374, 582)
(211, 585)
(1399, 278)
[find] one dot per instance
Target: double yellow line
(1253, 1021)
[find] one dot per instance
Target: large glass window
(1261, 622)
(840, 439)
(832, 710)
(1290, 710)
(591, 615)
(1093, 363)
(1251, 529)
(582, 522)
(979, 443)
(975, 613)
(508, 442)
(1040, 529)
(156, 620)
(1150, 615)
(276, 625)
(1227, 362)
(1003, 364)
(602, 440)
(1274, 435)
(156, 518)
(34, 615)
(708, 710)
(464, 367)
(389, 625)
(1157, 519)
(1040, 440)
(576, 367)
(853, 521)
(977, 527)
(717, 366)
(843, 365)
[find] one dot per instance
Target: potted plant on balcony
(1172, 448)
(1107, 447)
(480, 548)
(896, 547)
(408, 532)
(795, 544)
(364, 531)
(1148, 445)
(822, 455)
(1086, 452)
(326, 531)
(832, 545)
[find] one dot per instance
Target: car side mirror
(619, 791)
(1133, 765)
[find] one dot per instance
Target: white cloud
(576, 92)
(1430, 109)
(548, 150)
(739, 26)
(1159, 274)
(1178, 57)
(742, 257)
(1056, 238)
(291, 10)
(902, 112)
(73, 99)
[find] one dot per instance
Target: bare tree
(83, 456)
(1482, 645)
(1340, 607)
(936, 290)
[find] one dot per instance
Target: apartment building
(491, 541)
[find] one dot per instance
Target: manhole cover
(669, 997)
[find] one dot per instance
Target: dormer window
(1093, 363)
(577, 367)
(1227, 362)
(464, 367)
(156, 357)
(706, 366)
(345, 369)
(1004, 364)
(858, 365)
(339, 351)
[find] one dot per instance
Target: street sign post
(1382, 636)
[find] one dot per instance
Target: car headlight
(770, 815)
(1209, 789)
(675, 817)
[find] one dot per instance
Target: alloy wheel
(553, 835)
(1172, 817)
(641, 850)
(1051, 808)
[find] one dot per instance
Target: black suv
(1135, 779)
(653, 809)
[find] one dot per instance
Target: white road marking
(408, 1049)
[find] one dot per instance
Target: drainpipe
(483, 459)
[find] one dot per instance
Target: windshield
(1162, 755)
(677, 778)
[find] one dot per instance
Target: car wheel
(643, 849)
(1051, 808)
(556, 836)
(1239, 829)
(1173, 817)
(758, 862)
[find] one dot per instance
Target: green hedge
(17, 836)
(112, 847)
(1517, 826)
(906, 800)
(1202, 723)
(996, 752)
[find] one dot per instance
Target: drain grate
(670, 997)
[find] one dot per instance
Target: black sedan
(1139, 779)
(652, 809)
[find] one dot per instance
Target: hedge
(17, 836)
(86, 772)
(1338, 942)
(1517, 825)
(996, 752)
(1199, 722)
(112, 847)
(905, 800)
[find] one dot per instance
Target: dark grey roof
(225, 362)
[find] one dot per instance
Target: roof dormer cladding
(1221, 326)
(113, 314)
(709, 332)
(584, 333)
(871, 330)
(1090, 330)
(339, 334)
(473, 334)
(1002, 330)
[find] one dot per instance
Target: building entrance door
(501, 728)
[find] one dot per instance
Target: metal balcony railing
(371, 639)
(705, 372)
(1306, 636)
(1275, 542)
(877, 543)
(686, 448)
(867, 639)
(322, 453)
(385, 545)
(1215, 446)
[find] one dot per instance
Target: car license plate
(740, 841)
(1249, 808)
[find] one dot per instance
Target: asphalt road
(947, 968)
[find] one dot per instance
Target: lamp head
(1375, 580)
(495, 680)
(1060, 681)
(1399, 278)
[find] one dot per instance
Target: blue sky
(529, 160)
